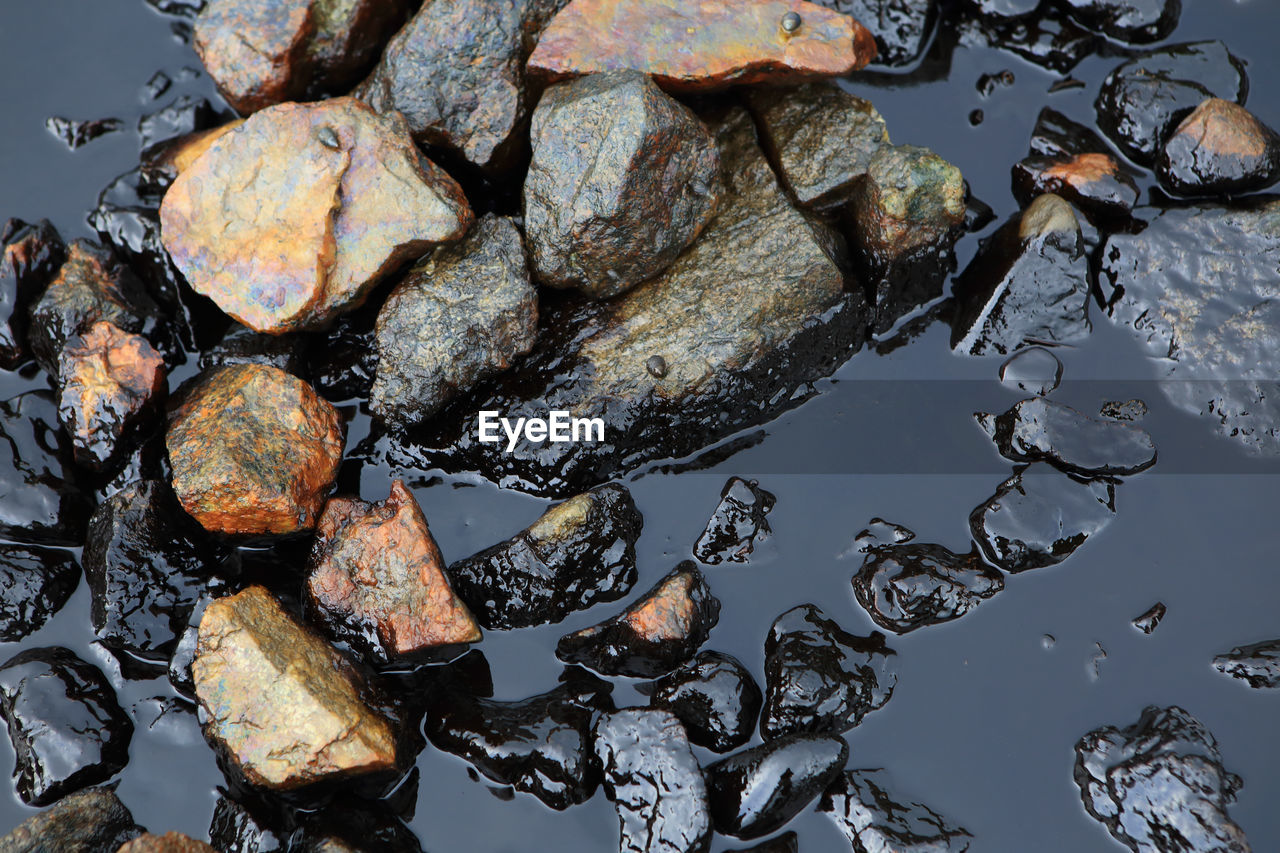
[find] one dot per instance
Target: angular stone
(40, 499)
(699, 47)
(738, 524)
(819, 679)
(655, 634)
(170, 842)
(1057, 137)
(89, 821)
(623, 179)
(654, 781)
(32, 256)
(283, 706)
(1038, 429)
(1124, 410)
(1132, 21)
(1257, 664)
(862, 806)
(756, 791)
(1151, 618)
(1033, 370)
(293, 217)
(254, 450)
(1094, 182)
(349, 38)
(35, 583)
(715, 698)
(183, 116)
(459, 317)
(901, 27)
(1220, 148)
(74, 134)
(905, 587)
(578, 553)
(377, 579)
(67, 728)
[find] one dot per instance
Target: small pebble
(657, 366)
(1149, 621)
(976, 117)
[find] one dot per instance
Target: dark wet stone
(819, 679)
(1093, 182)
(235, 828)
(35, 583)
(371, 828)
(1257, 664)
(1033, 370)
(905, 587)
(40, 500)
(1039, 429)
(184, 650)
(1159, 784)
(739, 523)
(901, 27)
(1132, 21)
(32, 257)
(623, 178)
(242, 345)
(756, 791)
(1141, 100)
(1124, 410)
(715, 698)
(1028, 284)
(343, 361)
(460, 316)
(89, 821)
(654, 781)
(1058, 137)
(1150, 620)
(576, 554)
(74, 133)
(183, 116)
(988, 83)
(540, 745)
(349, 39)
(1039, 517)
(787, 842)
(67, 729)
(1220, 148)
(178, 8)
(655, 634)
(1049, 39)
(862, 805)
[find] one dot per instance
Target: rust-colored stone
(255, 51)
(170, 842)
(254, 450)
(177, 155)
(701, 44)
(291, 218)
(377, 579)
(1094, 182)
(109, 379)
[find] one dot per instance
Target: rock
(653, 635)
(1150, 620)
(738, 523)
(623, 179)
(714, 697)
(1124, 410)
(1142, 100)
(365, 829)
(701, 47)
(349, 38)
(821, 138)
(1039, 429)
(459, 317)
(1005, 8)
(237, 829)
(343, 361)
(182, 117)
(819, 679)
(1033, 370)
(74, 134)
(1159, 784)
(905, 587)
(254, 450)
(68, 730)
(1093, 182)
(654, 781)
(377, 580)
(164, 161)
(901, 27)
(170, 842)
(1057, 137)
(112, 382)
(578, 553)
(1132, 21)
(1219, 149)
(313, 205)
(1028, 284)
(89, 821)
(1039, 517)
(242, 345)
(862, 806)
(756, 791)
(35, 583)
(283, 706)
(540, 745)
(40, 498)
(1049, 39)
(1258, 664)
(32, 256)
(784, 843)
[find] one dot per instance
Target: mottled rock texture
(170, 842)
(89, 821)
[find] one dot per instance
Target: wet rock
(1039, 429)
(820, 679)
(821, 137)
(1039, 517)
(1049, 39)
(715, 698)
(578, 553)
(35, 583)
(1142, 100)
(1132, 21)
(623, 178)
(164, 161)
(739, 523)
(460, 316)
(235, 828)
(40, 499)
(242, 345)
(901, 27)
(1057, 137)
(540, 745)
(371, 828)
(254, 450)
(377, 580)
(1005, 8)
(1150, 620)
(312, 205)
(74, 134)
(685, 48)
(905, 587)
(862, 805)
(89, 821)
(784, 843)
(654, 781)
(68, 730)
(282, 705)
(756, 791)
(349, 38)
(170, 842)
(1094, 182)
(1033, 370)
(655, 634)
(32, 256)
(184, 116)
(1257, 664)
(1220, 148)
(1124, 410)
(1159, 784)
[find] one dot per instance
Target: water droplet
(1047, 641)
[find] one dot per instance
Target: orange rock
(170, 842)
(1219, 148)
(704, 43)
(255, 51)
(377, 573)
(253, 450)
(176, 156)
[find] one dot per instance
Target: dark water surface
(985, 714)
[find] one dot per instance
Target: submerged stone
(35, 583)
(739, 523)
(863, 807)
(242, 345)
(715, 698)
(170, 842)
(40, 499)
(1220, 148)
(1049, 38)
(1133, 21)
(1151, 618)
(1092, 181)
(905, 587)
(1258, 664)
(293, 217)
(901, 27)
(32, 256)
(1039, 429)
(460, 316)
(756, 791)
(89, 821)
(578, 553)
(1033, 370)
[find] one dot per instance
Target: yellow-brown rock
(1219, 148)
(170, 842)
(291, 218)
(176, 156)
(254, 450)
